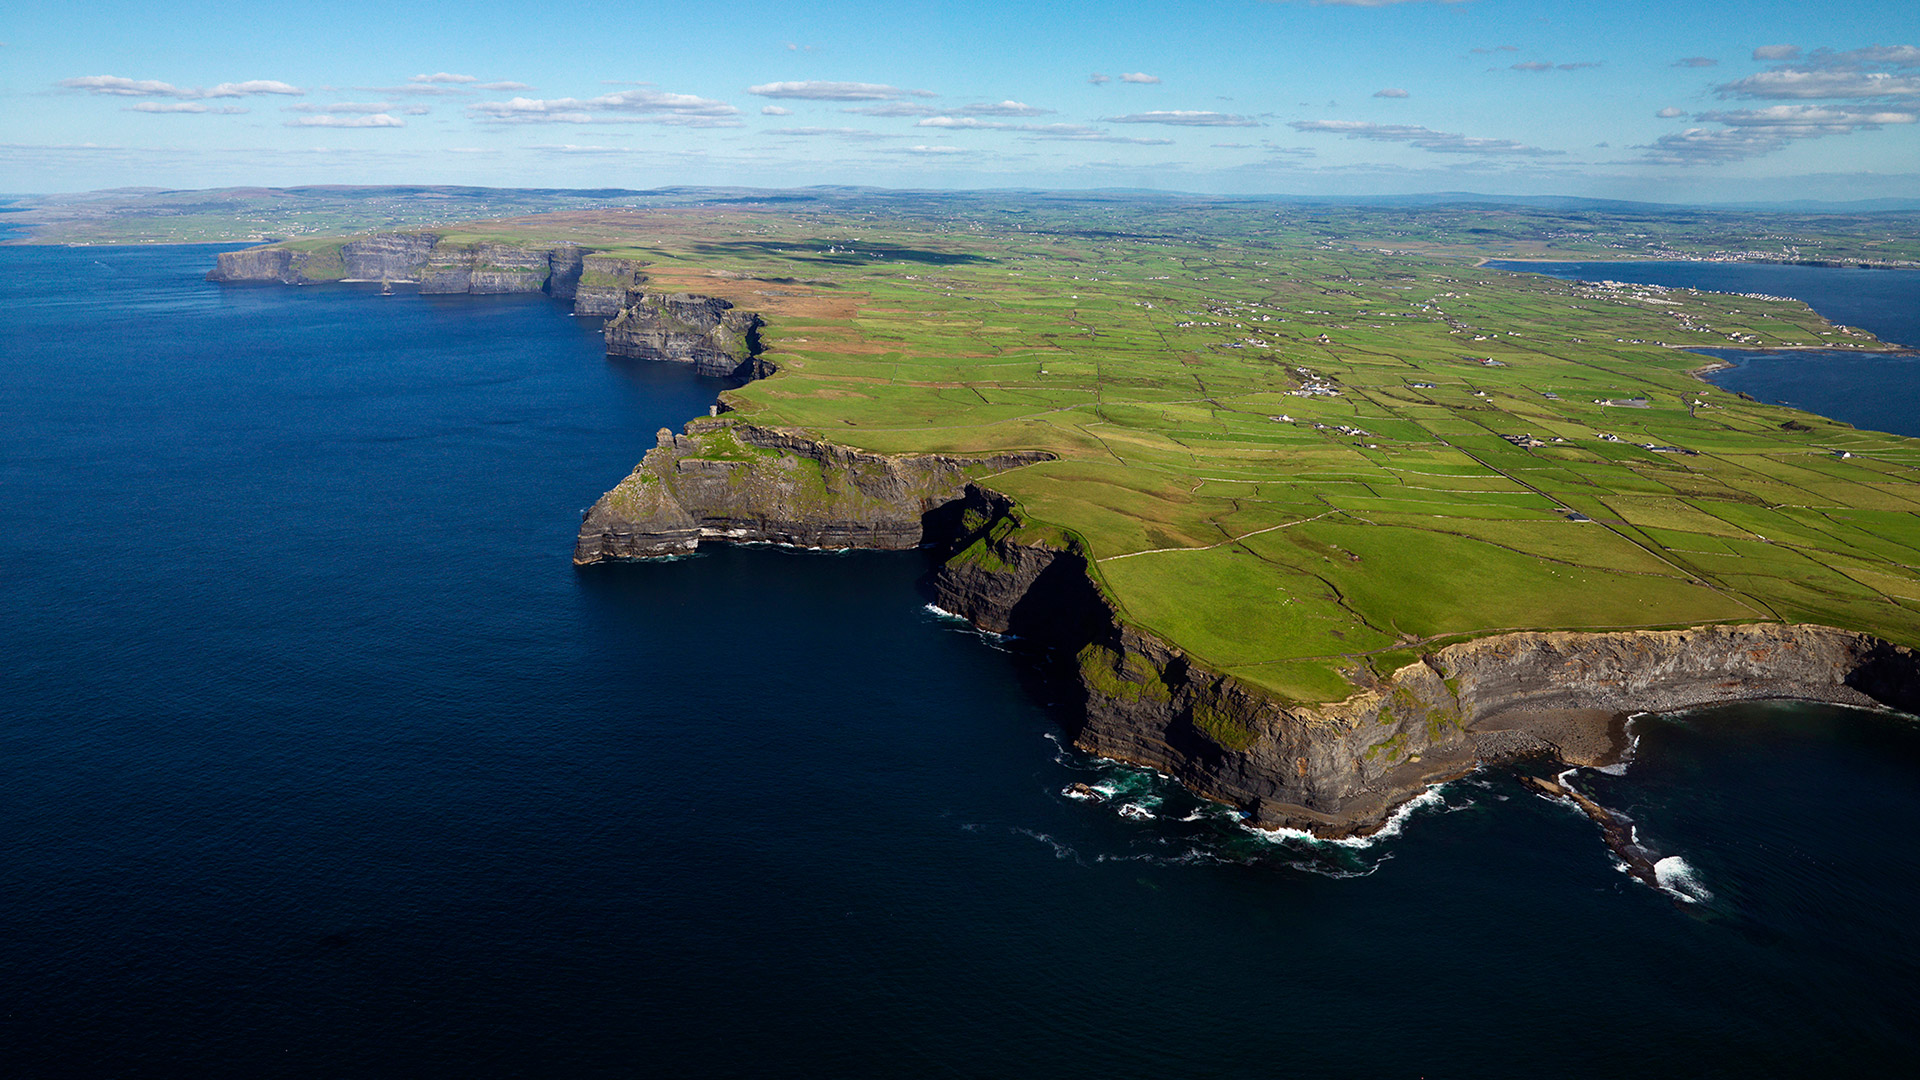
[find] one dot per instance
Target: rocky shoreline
(1335, 769)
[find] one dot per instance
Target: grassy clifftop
(1295, 459)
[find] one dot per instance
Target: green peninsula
(1295, 470)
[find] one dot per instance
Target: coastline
(1334, 769)
(1832, 264)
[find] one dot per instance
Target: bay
(1880, 391)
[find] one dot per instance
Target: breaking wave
(1677, 877)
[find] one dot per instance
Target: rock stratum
(1333, 769)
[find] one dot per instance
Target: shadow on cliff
(1887, 674)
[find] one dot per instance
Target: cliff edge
(1333, 769)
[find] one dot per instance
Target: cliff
(705, 331)
(1341, 768)
(724, 480)
(1336, 769)
(601, 286)
(434, 263)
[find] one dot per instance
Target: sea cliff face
(705, 331)
(725, 480)
(601, 284)
(425, 259)
(1336, 769)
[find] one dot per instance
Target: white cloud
(1803, 84)
(1140, 77)
(1184, 118)
(834, 91)
(626, 106)
(1002, 108)
(1439, 142)
(1097, 79)
(1904, 56)
(848, 134)
(934, 150)
(1753, 132)
(442, 77)
(570, 148)
(972, 122)
(502, 85)
(774, 110)
(1695, 62)
(1391, 92)
(1038, 132)
(114, 85)
(1776, 52)
(187, 107)
(1082, 133)
(1670, 112)
(367, 107)
(1808, 120)
(418, 90)
(254, 86)
(1531, 65)
(894, 109)
(378, 120)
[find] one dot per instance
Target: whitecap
(1060, 850)
(1680, 879)
(1429, 797)
(1135, 811)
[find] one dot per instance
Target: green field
(1299, 459)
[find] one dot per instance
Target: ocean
(319, 758)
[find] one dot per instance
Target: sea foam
(1680, 879)
(1429, 797)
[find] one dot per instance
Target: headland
(1310, 528)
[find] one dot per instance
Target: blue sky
(1674, 101)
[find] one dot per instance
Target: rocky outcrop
(724, 480)
(704, 331)
(422, 258)
(276, 264)
(602, 285)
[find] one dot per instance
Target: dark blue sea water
(318, 758)
(1881, 392)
